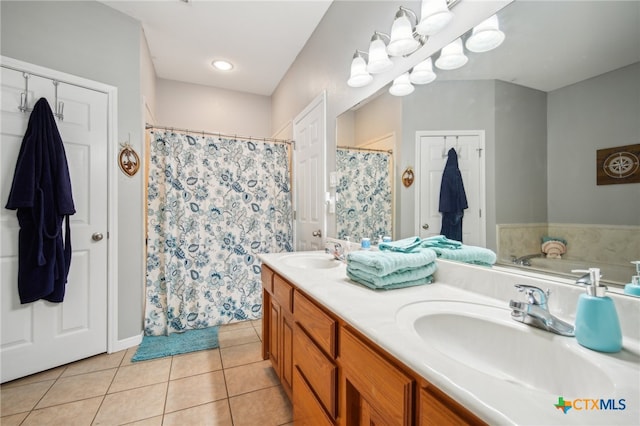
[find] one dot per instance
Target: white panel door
(309, 166)
(431, 156)
(41, 335)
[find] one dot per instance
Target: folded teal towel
(397, 277)
(547, 238)
(381, 263)
(413, 277)
(468, 254)
(440, 241)
(406, 245)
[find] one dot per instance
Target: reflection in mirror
(553, 94)
(363, 195)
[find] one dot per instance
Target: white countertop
(495, 400)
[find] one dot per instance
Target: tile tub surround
(617, 245)
(496, 401)
(601, 245)
(228, 386)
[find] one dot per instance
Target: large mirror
(564, 85)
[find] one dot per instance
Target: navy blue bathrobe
(41, 193)
(453, 199)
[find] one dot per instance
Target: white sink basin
(310, 261)
(486, 339)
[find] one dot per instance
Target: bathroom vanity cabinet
(334, 375)
(277, 326)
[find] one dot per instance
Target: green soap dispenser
(597, 324)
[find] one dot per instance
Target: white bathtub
(617, 274)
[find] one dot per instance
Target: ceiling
(552, 44)
(260, 38)
(549, 44)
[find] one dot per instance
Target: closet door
(41, 335)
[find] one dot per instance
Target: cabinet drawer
(267, 279)
(283, 293)
(438, 409)
(318, 325)
(318, 370)
(306, 409)
(379, 382)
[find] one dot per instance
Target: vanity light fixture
(406, 37)
(423, 72)
(434, 16)
(452, 56)
(402, 40)
(359, 75)
(485, 36)
(222, 65)
(378, 59)
(401, 86)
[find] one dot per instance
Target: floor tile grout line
(120, 365)
(166, 393)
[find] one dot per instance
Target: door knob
(425, 226)
(97, 236)
(317, 233)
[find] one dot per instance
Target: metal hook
(24, 96)
(59, 106)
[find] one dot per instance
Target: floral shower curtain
(213, 204)
(364, 197)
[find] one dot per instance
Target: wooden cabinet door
(274, 335)
(286, 354)
(371, 378)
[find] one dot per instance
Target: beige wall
(93, 41)
(196, 107)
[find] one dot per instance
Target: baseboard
(121, 345)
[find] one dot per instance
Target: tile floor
(231, 385)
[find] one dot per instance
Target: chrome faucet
(585, 279)
(524, 260)
(337, 252)
(535, 311)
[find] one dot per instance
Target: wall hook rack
(24, 98)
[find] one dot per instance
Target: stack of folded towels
(387, 270)
(410, 261)
(554, 247)
(455, 250)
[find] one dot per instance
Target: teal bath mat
(176, 343)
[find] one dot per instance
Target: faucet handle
(532, 291)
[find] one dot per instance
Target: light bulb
(423, 72)
(378, 59)
(359, 76)
(485, 36)
(434, 16)
(452, 56)
(401, 86)
(402, 41)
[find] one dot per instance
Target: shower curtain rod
(355, 148)
(218, 134)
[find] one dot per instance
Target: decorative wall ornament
(408, 177)
(618, 165)
(128, 160)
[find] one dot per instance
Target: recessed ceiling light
(222, 65)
